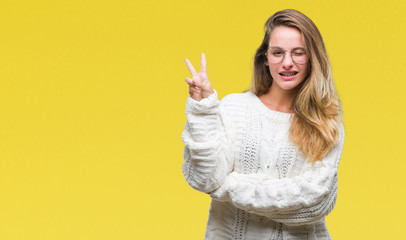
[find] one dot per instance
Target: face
(287, 74)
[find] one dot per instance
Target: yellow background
(92, 98)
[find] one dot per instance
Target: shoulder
(236, 99)
(235, 106)
(341, 131)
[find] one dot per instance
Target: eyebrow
(302, 48)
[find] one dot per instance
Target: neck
(279, 100)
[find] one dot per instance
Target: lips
(288, 75)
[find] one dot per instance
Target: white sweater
(262, 186)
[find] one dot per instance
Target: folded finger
(193, 91)
(189, 81)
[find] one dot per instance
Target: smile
(288, 73)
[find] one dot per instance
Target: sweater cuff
(206, 105)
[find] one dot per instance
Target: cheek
(304, 70)
(274, 70)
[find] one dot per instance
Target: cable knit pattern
(262, 187)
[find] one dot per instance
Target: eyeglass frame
(284, 54)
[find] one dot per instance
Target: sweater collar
(267, 112)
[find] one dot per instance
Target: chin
(287, 86)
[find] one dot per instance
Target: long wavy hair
(317, 108)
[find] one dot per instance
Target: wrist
(208, 104)
(207, 93)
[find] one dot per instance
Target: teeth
(288, 74)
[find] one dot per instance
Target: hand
(199, 85)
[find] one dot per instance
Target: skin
(282, 93)
(199, 84)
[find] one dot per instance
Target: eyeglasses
(276, 55)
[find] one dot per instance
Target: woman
(268, 157)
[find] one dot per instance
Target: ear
(266, 61)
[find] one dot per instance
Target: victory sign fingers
(199, 85)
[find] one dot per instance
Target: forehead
(286, 37)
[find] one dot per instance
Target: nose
(287, 62)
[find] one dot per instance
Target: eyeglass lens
(276, 55)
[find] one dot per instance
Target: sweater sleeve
(303, 199)
(207, 154)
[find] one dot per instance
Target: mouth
(288, 74)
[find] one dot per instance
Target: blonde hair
(317, 108)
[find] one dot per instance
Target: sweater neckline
(267, 112)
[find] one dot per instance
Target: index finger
(190, 67)
(203, 66)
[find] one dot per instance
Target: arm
(206, 153)
(302, 199)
